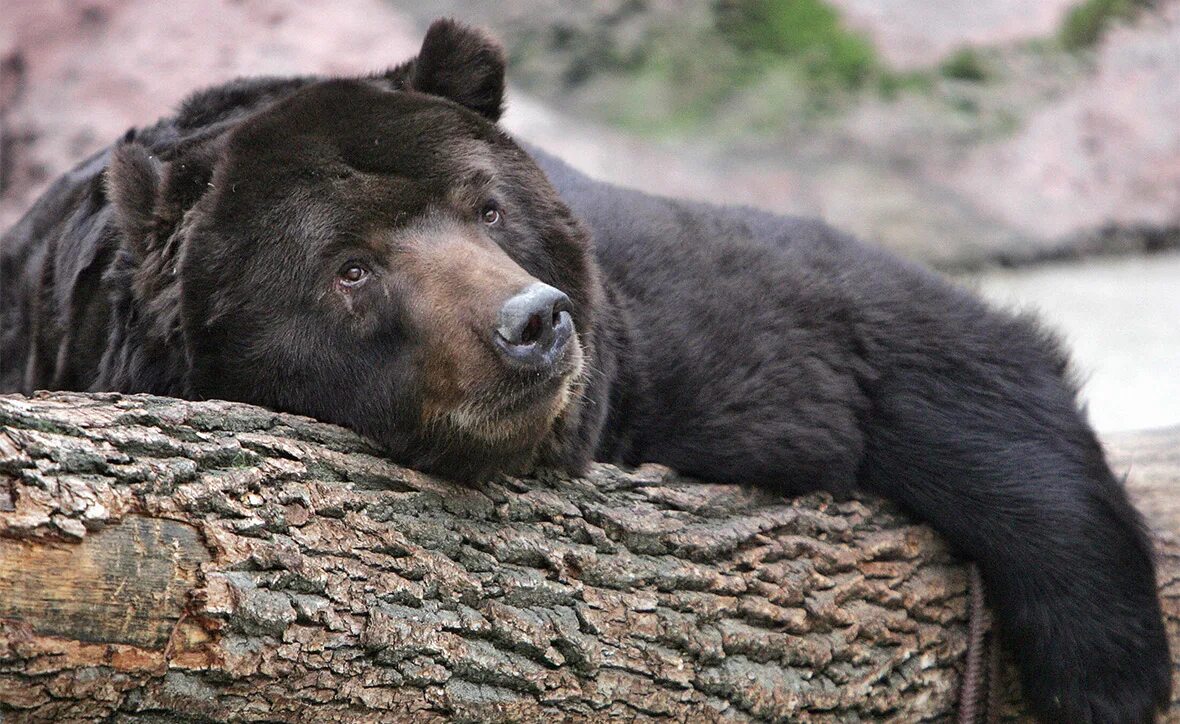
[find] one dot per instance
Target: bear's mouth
(542, 394)
(523, 405)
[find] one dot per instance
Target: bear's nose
(535, 326)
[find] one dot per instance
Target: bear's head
(374, 252)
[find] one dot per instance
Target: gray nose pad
(534, 326)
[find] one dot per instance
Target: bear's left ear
(462, 64)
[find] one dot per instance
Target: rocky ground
(916, 34)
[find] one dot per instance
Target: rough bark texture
(162, 558)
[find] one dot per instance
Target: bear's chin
(465, 459)
(476, 442)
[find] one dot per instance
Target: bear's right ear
(462, 64)
(133, 184)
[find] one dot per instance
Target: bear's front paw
(1114, 674)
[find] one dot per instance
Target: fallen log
(164, 559)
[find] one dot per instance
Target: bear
(378, 253)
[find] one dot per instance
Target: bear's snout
(534, 327)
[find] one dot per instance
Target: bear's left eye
(352, 274)
(490, 214)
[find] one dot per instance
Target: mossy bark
(163, 559)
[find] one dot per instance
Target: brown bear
(377, 252)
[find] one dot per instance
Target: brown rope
(977, 691)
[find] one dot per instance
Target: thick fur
(195, 259)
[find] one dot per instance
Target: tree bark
(163, 559)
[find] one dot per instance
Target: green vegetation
(1085, 24)
(746, 65)
(892, 84)
(965, 64)
(803, 32)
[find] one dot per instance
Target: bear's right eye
(490, 213)
(352, 274)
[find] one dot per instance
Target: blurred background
(1029, 149)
